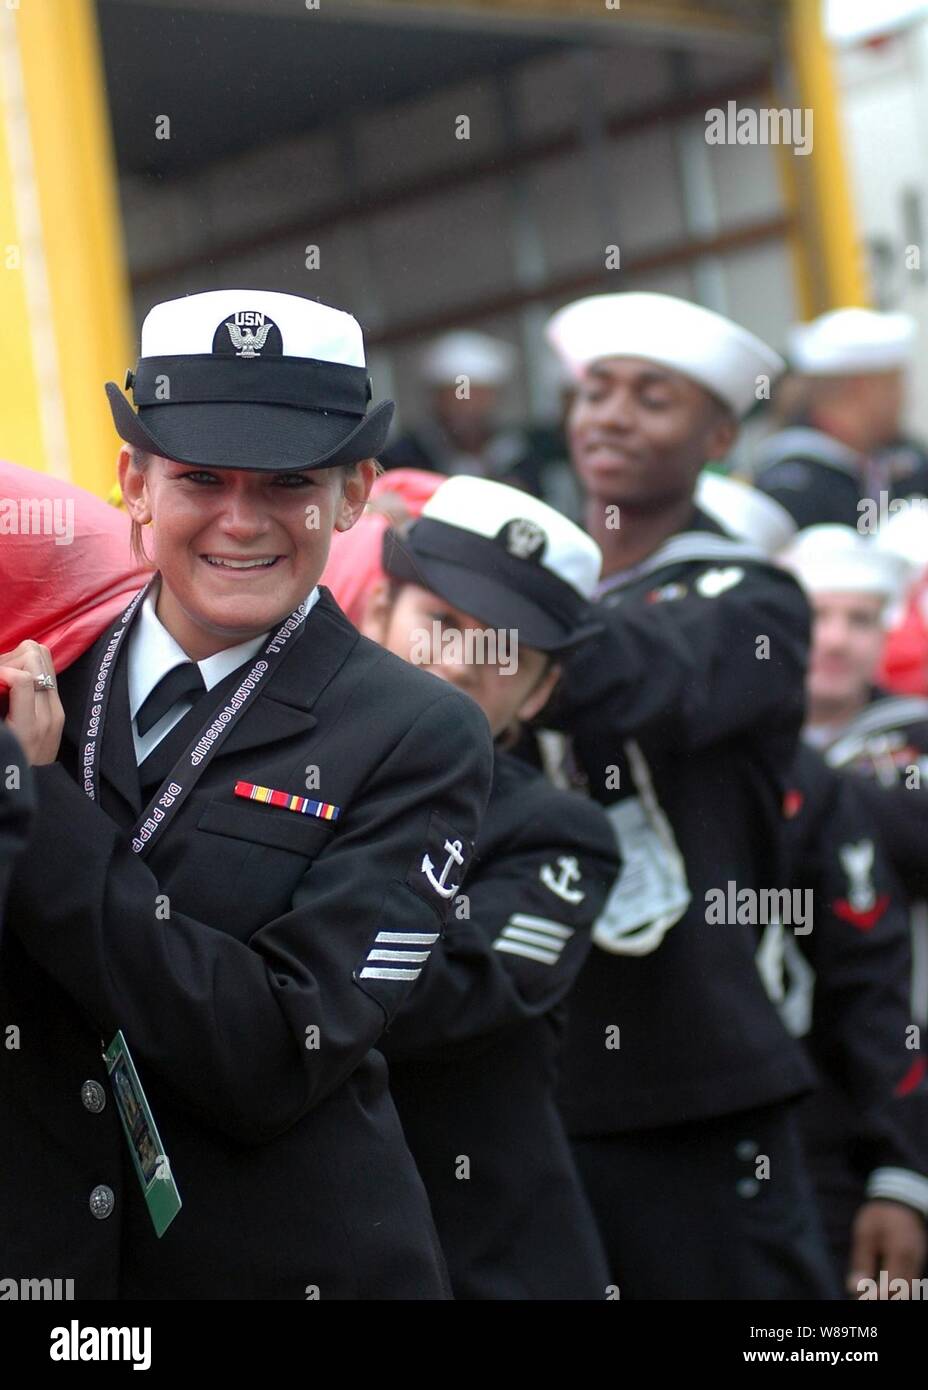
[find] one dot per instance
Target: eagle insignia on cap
(248, 333)
(523, 538)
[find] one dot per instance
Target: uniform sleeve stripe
(516, 948)
(525, 919)
(386, 972)
(397, 955)
(534, 938)
(407, 938)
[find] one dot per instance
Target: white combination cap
(503, 556)
(838, 560)
(745, 511)
(528, 528)
(484, 360)
(251, 379)
(846, 342)
(216, 320)
(718, 355)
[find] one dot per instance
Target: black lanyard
(188, 769)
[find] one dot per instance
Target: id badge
(151, 1163)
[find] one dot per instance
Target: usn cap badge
(523, 538)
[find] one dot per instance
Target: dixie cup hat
(745, 511)
(832, 559)
(251, 379)
(719, 355)
(503, 556)
(851, 341)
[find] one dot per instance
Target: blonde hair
(141, 460)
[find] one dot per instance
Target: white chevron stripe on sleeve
(543, 924)
(407, 938)
(388, 972)
(398, 955)
(520, 948)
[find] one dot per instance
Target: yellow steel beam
(67, 303)
(833, 269)
(20, 401)
(801, 222)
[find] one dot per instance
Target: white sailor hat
(504, 557)
(905, 532)
(745, 511)
(718, 355)
(251, 379)
(838, 560)
(485, 361)
(846, 342)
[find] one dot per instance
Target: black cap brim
(484, 595)
(250, 435)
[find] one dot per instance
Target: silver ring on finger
(43, 682)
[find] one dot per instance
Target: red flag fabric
(66, 569)
(904, 668)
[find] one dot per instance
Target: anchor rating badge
(560, 883)
(440, 867)
(455, 856)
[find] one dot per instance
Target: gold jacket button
(93, 1097)
(102, 1202)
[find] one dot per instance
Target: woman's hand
(36, 716)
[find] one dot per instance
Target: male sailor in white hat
(843, 410)
(466, 375)
(852, 581)
(685, 715)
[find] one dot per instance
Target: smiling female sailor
(244, 851)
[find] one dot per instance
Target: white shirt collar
(153, 652)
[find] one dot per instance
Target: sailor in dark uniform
(887, 743)
(240, 859)
(852, 583)
(473, 1053)
(881, 740)
(16, 797)
(465, 375)
(844, 989)
(840, 451)
(679, 1077)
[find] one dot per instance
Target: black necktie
(180, 683)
